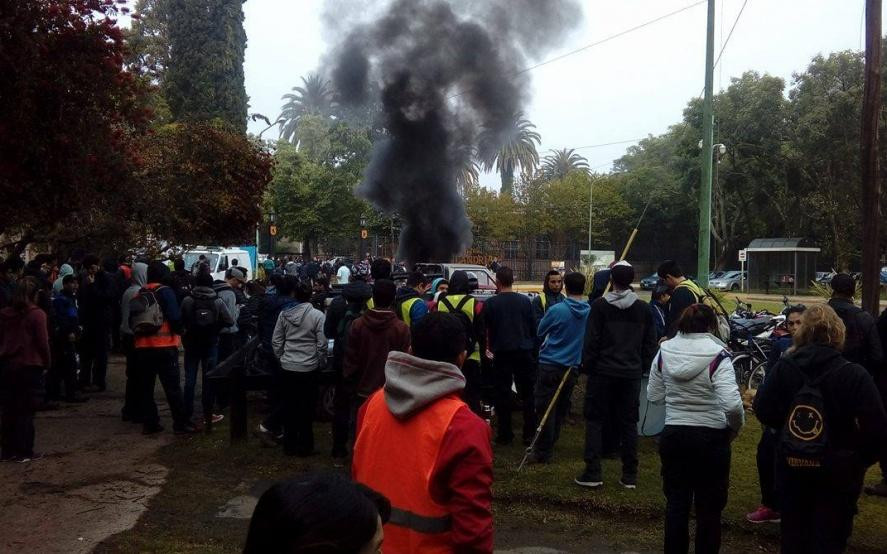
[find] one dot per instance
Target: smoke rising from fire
(443, 71)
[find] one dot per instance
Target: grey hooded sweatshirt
(298, 339)
(139, 279)
(412, 383)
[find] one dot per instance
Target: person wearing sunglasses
(768, 511)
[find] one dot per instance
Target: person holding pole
(620, 343)
(562, 331)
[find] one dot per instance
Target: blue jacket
(66, 319)
(660, 319)
(778, 347)
(562, 331)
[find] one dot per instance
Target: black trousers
(607, 398)
(695, 465)
(300, 391)
(817, 516)
(881, 382)
(766, 459)
(64, 369)
(162, 363)
(132, 402)
(471, 369)
(518, 367)
(342, 421)
(19, 392)
(94, 356)
(548, 379)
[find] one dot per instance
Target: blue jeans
(204, 354)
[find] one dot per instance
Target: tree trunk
(306, 247)
(507, 181)
(871, 178)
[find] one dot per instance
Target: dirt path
(95, 480)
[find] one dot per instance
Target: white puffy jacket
(694, 395)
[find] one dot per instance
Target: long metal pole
(871, 170)
(590, 189)
(704, 247)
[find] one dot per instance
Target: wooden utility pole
(871, 170)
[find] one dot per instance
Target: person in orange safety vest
(421, 446)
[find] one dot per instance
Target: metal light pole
(704, 247)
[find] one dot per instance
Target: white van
(219, 260)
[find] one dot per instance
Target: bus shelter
(783, 265)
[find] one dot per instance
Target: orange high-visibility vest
(164, 338)
(396, 458)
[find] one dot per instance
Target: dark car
(649, 283)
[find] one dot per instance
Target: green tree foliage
(515, 150)
(312, 189)
(561, 163)
(203, 80)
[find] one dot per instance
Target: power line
(611, 37)
(599, 145)
(598, 43)
(724, 46)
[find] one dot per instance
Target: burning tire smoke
(444, 70)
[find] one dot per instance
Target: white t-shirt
(343, 275)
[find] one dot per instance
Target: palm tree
(467, 169)
(314, 97)
(509, 150)
(563, 162)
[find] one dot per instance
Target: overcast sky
(624, 89)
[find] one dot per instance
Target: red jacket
(462, 479)
(372, 337)
(24, 338)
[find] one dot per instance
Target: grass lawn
(539, 506)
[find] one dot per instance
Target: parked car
(730, 280)
(825, 277)
(649, 283)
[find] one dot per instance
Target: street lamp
(590, 190)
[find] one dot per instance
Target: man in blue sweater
(562, 332)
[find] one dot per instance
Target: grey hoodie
(412, 383)
(694, 396)
(139, 280)
(622, 299)
(298, 339)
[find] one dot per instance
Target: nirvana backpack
(145, 313)
(463, 317)
(804, 444)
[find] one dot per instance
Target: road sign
(272, 230)
(743, 255)
(364, 234)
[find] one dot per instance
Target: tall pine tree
(204, 78)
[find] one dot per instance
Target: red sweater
(462, 480)
(24, 339)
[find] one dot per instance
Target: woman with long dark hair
(24, 357)
(703, 413)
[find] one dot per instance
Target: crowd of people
(425, 373)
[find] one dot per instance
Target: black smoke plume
(444, 70)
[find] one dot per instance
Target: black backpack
(804, 444)
(467, 323)
(206, 315)
(353, 311)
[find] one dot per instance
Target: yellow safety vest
(467, 309)
(543, 298)
(406, 307)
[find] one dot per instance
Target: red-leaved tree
(69, 114)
